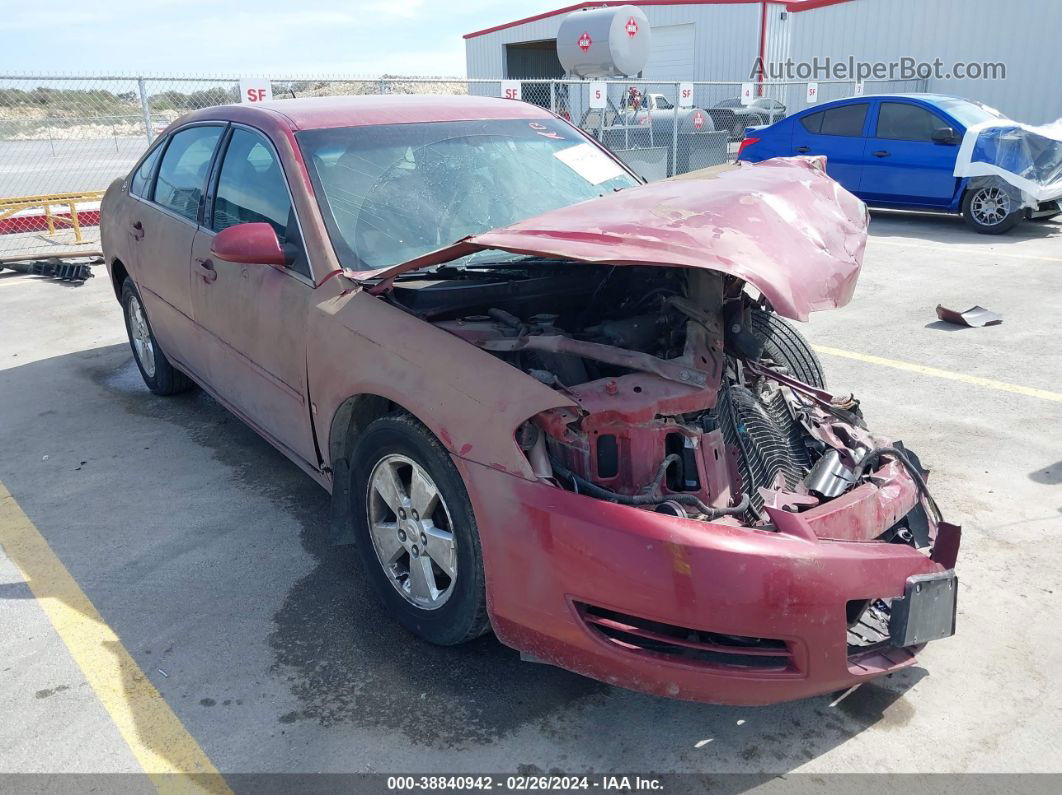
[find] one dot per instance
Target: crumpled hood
(782, 225)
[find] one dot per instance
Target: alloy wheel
(412, 532)
(140, 335)
(990, 206)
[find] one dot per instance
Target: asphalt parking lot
(205, 552)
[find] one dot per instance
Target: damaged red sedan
(548, 400)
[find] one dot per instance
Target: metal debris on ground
(974, 317)
(61, 270)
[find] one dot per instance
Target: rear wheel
(161, 377)
(786, 346)
(416, 533)
(990, 210)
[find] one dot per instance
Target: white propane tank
(604, 42)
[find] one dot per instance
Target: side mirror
(248, 244)
(945, 135)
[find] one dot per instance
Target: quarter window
(183, 172)
(899, 121)
(845, 120)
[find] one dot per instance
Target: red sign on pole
(584, 42)
(632, 27)
(698, 120)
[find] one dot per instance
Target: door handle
(205, 269)
(803, 149)
(138, 231)
(881, 153)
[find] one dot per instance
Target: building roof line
(791, 5)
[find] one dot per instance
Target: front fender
(472, 401)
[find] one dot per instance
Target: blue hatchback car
(897, 151)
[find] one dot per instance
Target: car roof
(931, 99)
(311, 113)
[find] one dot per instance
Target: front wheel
(161, 377)
(990, 210)
(416, 533)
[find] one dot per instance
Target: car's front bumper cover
(550, 555)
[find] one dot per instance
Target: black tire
(161, 377)
(786, 346)
(463, 614)
(971, 216)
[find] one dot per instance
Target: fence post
(674, 131)
(553, 95)
(146, 109)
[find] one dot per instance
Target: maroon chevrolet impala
(548, 400)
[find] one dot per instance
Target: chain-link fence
(64, 139)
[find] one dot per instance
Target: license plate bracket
(927, 610)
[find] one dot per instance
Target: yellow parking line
(155, 735)
(960, 249)
(922, 369)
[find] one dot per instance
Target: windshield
(968, 113)
(389, 193)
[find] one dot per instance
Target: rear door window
(899, 121)
(812, 122)
(846, 120)
(252, 189)
(183, 171)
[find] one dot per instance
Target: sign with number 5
(598, 94)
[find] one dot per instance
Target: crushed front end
(704, 519)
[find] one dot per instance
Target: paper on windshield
(590, 163)
(1027, 157)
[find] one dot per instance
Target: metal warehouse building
(720, 40)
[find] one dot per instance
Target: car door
(163, 222)
(836, 132)
(252, 318)
(902, 164)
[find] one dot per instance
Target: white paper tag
(813, 93)
(591, 164)
(859, 88)
(512, 89)
(748, 91)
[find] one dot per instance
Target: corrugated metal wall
(1024, 34)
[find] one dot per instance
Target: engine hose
(876, 453)
(585, 486)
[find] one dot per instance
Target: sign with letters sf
(685, 95)
(254, 90)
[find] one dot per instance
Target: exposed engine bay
(691, 396)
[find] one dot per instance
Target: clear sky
(274, 37)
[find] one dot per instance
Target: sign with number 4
(748, 93)
(685, 95)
